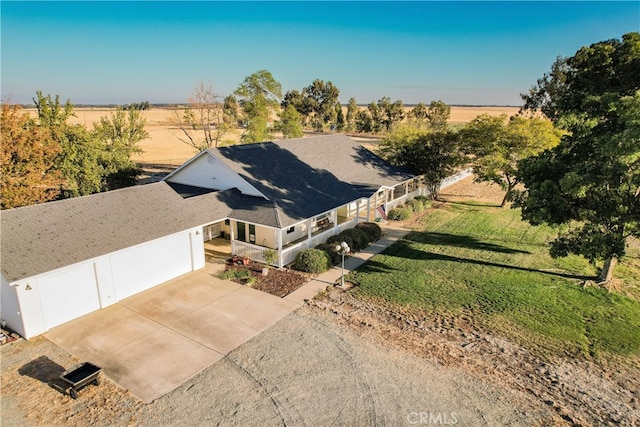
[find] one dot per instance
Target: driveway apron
(154, 341)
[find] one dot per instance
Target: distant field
(164, 145)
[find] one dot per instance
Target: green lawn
(485, 261)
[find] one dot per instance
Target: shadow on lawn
(443, 199)
(467, 242)
(411, 253)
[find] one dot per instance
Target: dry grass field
(163, 146)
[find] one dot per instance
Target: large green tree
(28, 174)
(420, 112)
(390, 113)
(438, 114)
(322, 98)
(259, 96)
(290, 123)
(316, 103)
(433, 154)
(352, 110)
(590, 182)
(118, 136)
(497, 145)
(96, 160)
(79, 159)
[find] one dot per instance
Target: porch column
(279, 242)
(369, 209)
(358, 211)
(232, 226)
(334, 214)
(309, 222)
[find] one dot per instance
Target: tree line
(209, 117)
(46, 158)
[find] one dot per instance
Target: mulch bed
(277, 282)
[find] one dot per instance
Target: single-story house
(63, 259)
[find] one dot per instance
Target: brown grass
(164, 145)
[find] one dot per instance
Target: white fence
(289, 254)
(320, 238)
(455, 178)
(249, 250)
(425, 192)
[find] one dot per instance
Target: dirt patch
(308, 369)
(580, 392)
(278, 282)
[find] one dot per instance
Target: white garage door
(137, 269)
(67, 295)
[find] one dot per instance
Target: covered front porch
(289, 241)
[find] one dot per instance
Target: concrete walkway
(314, 287)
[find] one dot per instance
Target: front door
(242, 236)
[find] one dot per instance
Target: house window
(227, 222)
(291, 230)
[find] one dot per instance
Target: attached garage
(67, 295)
(141, 267)
(64, 259)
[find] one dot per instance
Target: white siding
(141, 267)
(10, 308)
(207, 171)
(68, 295)
(300, 230)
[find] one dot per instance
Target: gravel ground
(305, 370)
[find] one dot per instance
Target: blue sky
(480, 53)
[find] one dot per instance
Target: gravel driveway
(305, 370)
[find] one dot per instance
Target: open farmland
(163, 146)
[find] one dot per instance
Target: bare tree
(202, 121)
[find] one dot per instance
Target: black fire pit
(80, 376)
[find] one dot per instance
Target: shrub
(399, 214)
(372, 229)
(416, 205)
(270, 256)
(339, 238)
(359, 239)
(312, 261)
(426, 201)
(330, 249)
(234, 274)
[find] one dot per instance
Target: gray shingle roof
(308, 176)
(346, 159)
(36, 239)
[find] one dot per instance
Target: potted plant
(270, 257)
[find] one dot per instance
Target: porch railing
(289, 254)
(321, 237)
(249, 250)
(347, 224)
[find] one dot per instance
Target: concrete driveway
(154, 341)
